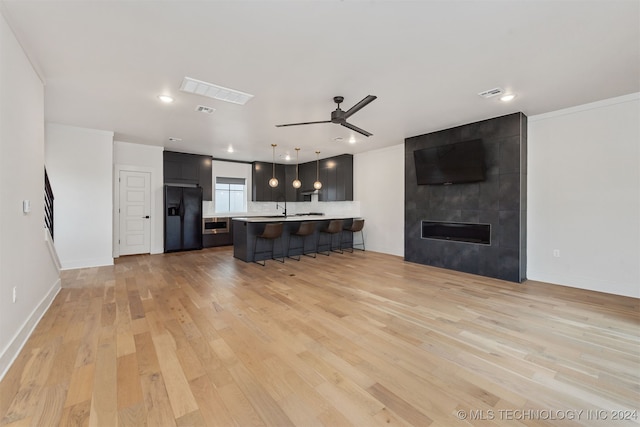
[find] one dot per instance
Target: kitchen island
(245, 230)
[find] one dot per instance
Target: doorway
(135, 212)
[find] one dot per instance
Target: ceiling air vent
(491, 92)
(210, 90)
(205, 109)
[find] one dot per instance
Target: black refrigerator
(182, 218)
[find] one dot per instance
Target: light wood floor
(361, 339)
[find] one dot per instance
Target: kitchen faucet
(284, 212)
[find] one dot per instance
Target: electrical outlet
(14, 294)
(556, 253)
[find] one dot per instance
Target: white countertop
(290, 218)
(224, 214)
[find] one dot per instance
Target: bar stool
(272, 232)
(356, 226)
(305, 229)
(334, 227)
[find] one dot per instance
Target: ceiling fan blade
(367, 99)
(356, 128)
(303, 123)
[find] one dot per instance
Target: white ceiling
(105, 62)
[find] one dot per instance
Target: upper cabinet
(189, 169)
(260, 176)
(262, 172)
(307, 175)
(206, 177)
(335, 173)
(289, 176)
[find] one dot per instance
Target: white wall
(25, 262)
(80, 164)
(379, 187)
(584, 196)
(141, 158)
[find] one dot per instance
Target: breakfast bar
(245, 230)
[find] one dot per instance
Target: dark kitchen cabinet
(307, 174)
(181, 168)
(290, 175)
(189, 169)
(344, 177)
(328, 177)
(336, 175)
(218, 239)
(261, 173)
(206, 177)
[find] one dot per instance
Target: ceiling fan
(340, 117)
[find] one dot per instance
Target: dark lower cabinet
(223, 239)
(215, 240)
(245, 232)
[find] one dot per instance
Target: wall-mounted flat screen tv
(450, 164)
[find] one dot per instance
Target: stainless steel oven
(215, 225)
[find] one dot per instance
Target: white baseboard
(10, 353)
(87, 263)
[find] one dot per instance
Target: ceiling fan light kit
(340, 117)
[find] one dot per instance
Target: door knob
(147, 217)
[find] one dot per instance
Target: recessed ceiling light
(352, 140)
(172, 139)
(230, 149)
(507, 98)
(165, 98)
(338, 139)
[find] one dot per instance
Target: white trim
(116, 205)
(13, 349)
(87, 263)
(52, 250)
(591, 106)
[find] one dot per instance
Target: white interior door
(135, 208)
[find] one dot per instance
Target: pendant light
(317, 185)
(273, 182)
(296, 182)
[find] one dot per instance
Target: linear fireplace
(457, 232)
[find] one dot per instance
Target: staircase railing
(48, 204)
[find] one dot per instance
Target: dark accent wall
(500, 201)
